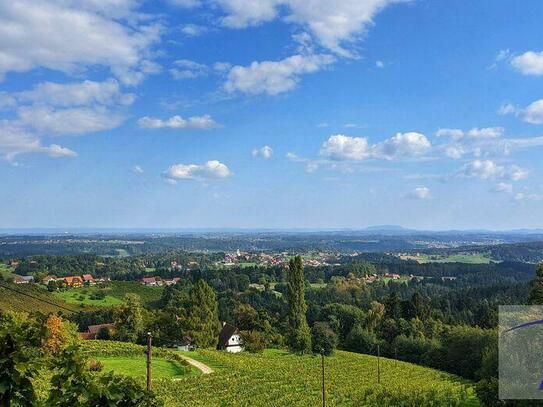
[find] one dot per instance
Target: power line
(36, 298)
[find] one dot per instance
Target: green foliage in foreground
(281, 379)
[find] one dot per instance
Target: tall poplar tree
(299, 335)
(202, 316)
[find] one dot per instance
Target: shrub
(253, 341)
(323, 339)
(95, 366)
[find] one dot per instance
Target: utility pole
(323, 388)
(149, 352)
(378, 364)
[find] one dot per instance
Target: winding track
(205, 369)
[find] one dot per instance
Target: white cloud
(177, 122)
(210, 170)
(70, 121)
(488, 169)
(84, 93)
(136, 169)
(420, 193)
(193, 30)
(293, 157)
(503, 187)
(70, 35)
(332, 23)
(341, 147)
(403, 145)
(529, 63)
(507, 108)
(7, 101)
(273, 77)
(265, 152)
(533, 113)
(244, 13)
(186, 3)
(14, 140)
(379, 64)
(186, 69)
(476, 132)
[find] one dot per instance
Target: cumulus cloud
(265, 152)
(488, 169)
(84, 93)
(15, 140)
(210, 170)
(187, 69)
(333, 24)
(401, 146)
(529, 63)
(70, 36)
(379, 64)
(533, 113)
(70, 121)
(204, 122)
(193, 30)
(273, 77)
(341, 147)
(136, 169)
(58, 109)
(420, 193)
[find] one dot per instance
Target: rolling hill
(279, 378)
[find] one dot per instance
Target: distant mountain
(387, 228)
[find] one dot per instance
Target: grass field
(277, 378)
(468, 258)
(82, 295)
(5, 270)
(136, 367)
(114, 293)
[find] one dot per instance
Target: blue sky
(276, 113)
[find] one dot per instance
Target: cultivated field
(281, 379)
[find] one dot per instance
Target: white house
(230, 339)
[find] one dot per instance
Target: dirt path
(205, 369)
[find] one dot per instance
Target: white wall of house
(234, 344)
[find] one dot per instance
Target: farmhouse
(230, 339)
(149, 281)
(73, 281)
(88, 278)
(23, 279)
(93, 331)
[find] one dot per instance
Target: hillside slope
(30, 298)
(281, 379)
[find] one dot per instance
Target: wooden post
(149, 355)
(378, 364)
(323, 388)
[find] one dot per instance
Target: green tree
(323, 339)
(202, 316)
(20, 339)
(129, 319)
(299, 335)
(536, 287)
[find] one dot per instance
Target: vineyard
(282, 379)
(31, 298)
